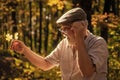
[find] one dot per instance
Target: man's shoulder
(92, 39)
(99, 38)
(62, 42)
(95, 37)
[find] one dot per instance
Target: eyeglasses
(64, 28)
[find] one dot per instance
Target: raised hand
(17, 46)
(79, 29)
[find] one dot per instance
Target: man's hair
(85, 23)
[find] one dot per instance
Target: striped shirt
(63, 55)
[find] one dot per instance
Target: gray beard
(71, 41)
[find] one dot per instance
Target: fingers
(17, 46)
(79, 25)
(14, 44)
(79, 28)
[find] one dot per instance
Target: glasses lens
(65, 28)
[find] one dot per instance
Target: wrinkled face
(64, 29)
(67, 31)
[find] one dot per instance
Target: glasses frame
(69, 25)
(65, 28)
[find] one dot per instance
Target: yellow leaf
(8, 37)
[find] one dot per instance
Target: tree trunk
(117, 5)
(30, 24)
(40, 27)
(46, 31)
(109, 7)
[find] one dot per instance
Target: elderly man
(80, 55)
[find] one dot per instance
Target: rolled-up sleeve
(54, 56)
(99, 53)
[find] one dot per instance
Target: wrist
(79, 43)
(25, 49)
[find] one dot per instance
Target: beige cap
(72, 15)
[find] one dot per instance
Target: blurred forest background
(33, 21)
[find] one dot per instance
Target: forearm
(36, 59)
(84, 59)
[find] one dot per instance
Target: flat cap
(72, 15)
